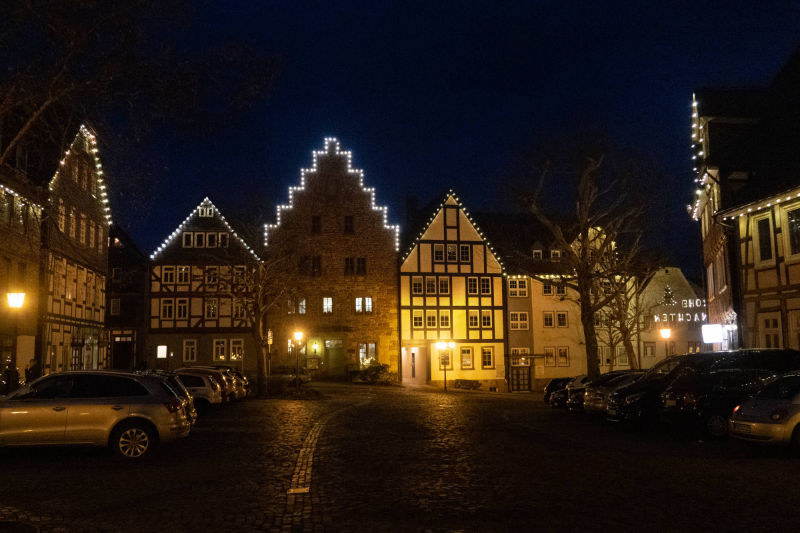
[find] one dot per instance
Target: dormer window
(205, 211)
(187, 240)
(211, 240)
(555, 255)
(537, 254)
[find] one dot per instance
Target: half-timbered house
(338, 253)
(452, 319)
(75, 261)
(194, 315)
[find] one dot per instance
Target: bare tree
(597, 267)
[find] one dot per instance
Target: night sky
(434, 95)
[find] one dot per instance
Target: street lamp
(666, 333)
(445, 359)
(15, 301)
(298, 336)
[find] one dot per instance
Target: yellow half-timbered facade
(452, 318)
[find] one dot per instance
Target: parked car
(225, 381)
(186, 397)
(204, 389)
(554, 385)
(596, 394)
(772, 416)
(705, 400)
(558, 398)
(575, 390)
(641, 401)
(237, 374)
(128, 412)
(238, 389)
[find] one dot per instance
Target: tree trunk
(587, 319)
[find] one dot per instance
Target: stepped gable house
(338, 255)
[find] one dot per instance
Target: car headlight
(633, 398)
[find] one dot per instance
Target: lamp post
(298, 336)
(666, 333)
(15, 302)
(445, 359)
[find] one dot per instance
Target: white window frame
(444, 285)
(537, 254)
(472, 290)
(417, 319)
(518, 320)
(417, 281)
(187, 240)
(178, 307)
(327, 305)
(184, 274)
(189, 350)
(486, 318)
(547, 289)
(490, 351)
(565, 351)
(486, 282)
(444, 318)
(757, 240)
(468, 351)
(560, 314)
(219, 349)
(211, 304)
(473, 319)
(548, 316)
(454, 257)
(367, 304)
(438, 250)
(359, 304)
(431, 282)
(236, 349)
(431, 319)
(518, 288)
(167, 308)
(168, 274)
(555, 255)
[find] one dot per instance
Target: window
(770, 334)
(220, 349)
(430, 319)
(649, 349)
(555, 255)
(764, 236)
(205, 211)
(464, 253)
(238, 274)
(211, 240)
(91, 234)
(518, 320)
(223, 240)
(561, 290)
(547, 289)
(348, 224)
(452, 253)
(561, 319)
(486, 318)
(430, 285)
(417, 318)
(438, 253)
(549, 356)
(486, 285)
(793, 229)
(487, 357)
(72, 222)
(301, 306)
(82, 230)
(349, 266)
(359, 305)
(517, 287)
(416, 285)
(182, 308)
(472, 285)
(238, 309)
(368, 304)
(114, 306)
(563, 356)
(211, 275)
(694, 346)
(444, 319)
(621, 356)
(444, 285)
(199, 240)
(548, 319)
(99, 239)
(187, 239)
(537, 254)
(361, 266)
(168, 274)
(62, 216)
(167, 308)
(473, 318)
(366, 353)
(237, 349)
(316, 225)
(211, 308)
(466, 358)
(190, 350)
(327, 305)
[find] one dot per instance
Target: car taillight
(173, 406)
(778, 414)
(736, 408)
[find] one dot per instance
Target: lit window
(466, 358)
(359, 305)
(301, 306)
(452, 253)
(368, 304)
(220, 349)
(161, 351)
(190, 350)
(327, 305)
(237, 349)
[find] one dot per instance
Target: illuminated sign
(691, 311)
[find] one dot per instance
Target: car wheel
(133, 440)
(716, 426)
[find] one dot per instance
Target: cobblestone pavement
(394, 459)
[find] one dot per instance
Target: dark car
(705, 400)
(559, 397)
(575, 393)
(554, 385)
(641, 401)
(596, 393)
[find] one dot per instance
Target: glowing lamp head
(666, 333)
(16, 299)
(315, 346)
(441, 345)
(298, 336)
(451, 345)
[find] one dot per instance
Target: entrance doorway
(520, 378)
(415, 366)
(122, 353)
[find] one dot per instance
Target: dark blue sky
(433, 95)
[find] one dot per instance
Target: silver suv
(128, 412)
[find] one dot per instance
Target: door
(98, 402)
(36, 414)
(122, 353)
(415, 371)
(520, 378)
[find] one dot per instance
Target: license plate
(741, 428)
(670, 403)
(612, 411)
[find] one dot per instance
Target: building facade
(338, 255)
(452, 313)
(74, 262)
(197, 314)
